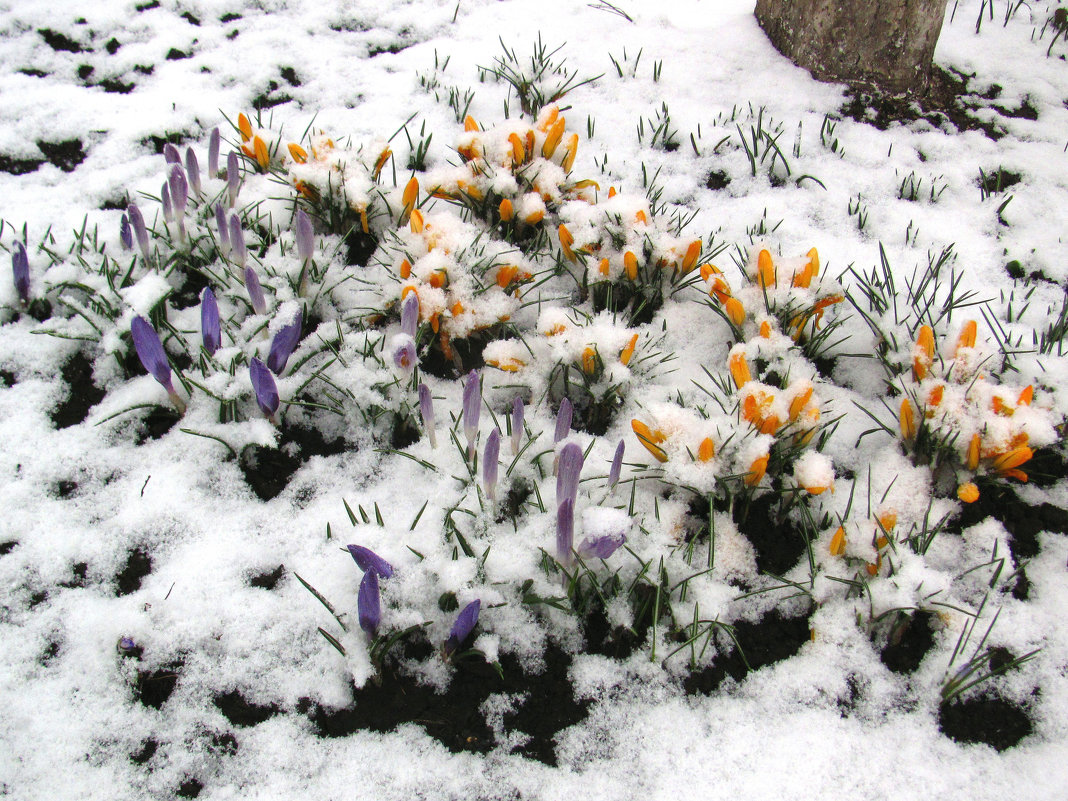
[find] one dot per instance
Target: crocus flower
(224, 231)
(192, 168)
(265, 388)
(601, 547)
(213, 152)
(209, 321)
(368, 561)
(283, 345)
(255, 291)
(137, 222)
(565, 530)
(369, 603)
(490, 459)
(237, 242)
(165, 201)
(233, 177)
(567, 477)
(126, 233)
(153, 357)
(404, 353)
(617, 465)
(462, 628)
(410, 314)
(563, 420)
(472, 409)
(179, 190)
(304, 236)
(20, 271)
(426, 410)
(517, 423)
(170, 154)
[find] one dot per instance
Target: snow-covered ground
(669, 129)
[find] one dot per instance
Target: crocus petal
(369, 603)
(20, 270)
(233, 177)
(165, 202)
(192, 169)
(179, 190)
(209, 321)
(171, 155)
(283, 345)
(126, 233)
(237, 242)
(426, 409)
(265, 388)
(410, 314)
(213, 152)
(472, 408)
(565, 530)
(568, 472)
(405, 356)
(255, 291)
(224, 230)
(490, 460)
(304, 236)
(368, 560)
(617, 465)
(464, 625)
(517, 423)
(563, 420)
(150, 351)
(601, 547)
(138, 224)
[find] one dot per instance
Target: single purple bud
(224, 230)
(170, 154)
(490, 459)
(255, 291)
(517, 423)
(404, 353)
(233, 177)
(565, 530)
(192, 168)
(472, 409)
(283, 345)
(126, 233)
(567, 476)
(209, 321)
(462, 628)
(369, 603)
(265, 388)
(168, 206)
(150, 352)
(410, 314)
(601, 547)
(563, 420)
(237, 242)
(213, 153)
(20, 270)
(126, 645)
(426, 409)
(304, 236)
(368, 561)
(617, 465)
(137, 222)
(179, 190)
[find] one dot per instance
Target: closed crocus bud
(264, 387)
(209, 321)
(126, 233)
(304, 236)
(171, 155)
(490, 460)
(255, 291)
(565, 530)
(153, 357)
(570, 469)
(237, 242)
(563, 420)
(405, 356)
(472, 407)
(20, 271)
(617, 465)
(192, 169)
(233, 177)
(410, 314)
(137, 222)
(369, 603)
(368, 561)
(213, 153)
(165, 202)
(462, 628)
(224, 231)
(283, 345)
(601, 547)
(179, 194)
(426, 410)
(517, 424)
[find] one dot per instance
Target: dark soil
(1023, 521)
(84, 394)
(8, 547)
(466, 353)
(138, 565)
(189, 294)
(717, 179)
(7, 378)
(616, 642)
(190, 788)
(153, 688)
(989, 720)
(58, 42)
(359, 247)
(771, 640)
(998, 180)
(145, 752)
(453, 718)
(268, 580)
(66, 155)
(158, 421)
(910, 639)
(778, 544)
(240, 712)
(638, 302)
(590, 413)
(268, 470)
(16, 166)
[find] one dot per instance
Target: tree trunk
(888, 44)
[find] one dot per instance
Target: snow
(70, 720)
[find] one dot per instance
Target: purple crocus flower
(369, 603)
(462, 628)
(617, 465)
(137, 222)
(565, 530)
(20, 271)
(255, 291)
(179, 190)
(153, 357)
(410, 314)
(265, 388)
(213, 152)
(283, 345)
(570, 469)
(368, 561)
(472, 409)
(192, 168)
(426, 409)
(304, 236)
(126, 233)
(601, 547)
(563, 420)
(517, 424)
(224, 231)
(237, 242)
(170, 154)
(233, 177)
(490, 460)
(168, 206)
(209, 321)
(404, 353)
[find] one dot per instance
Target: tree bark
(888, 44)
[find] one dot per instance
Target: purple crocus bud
(192, 168)
(490, 459)
(209, 321)
(472, 409)
(179, 190)
(565, 530)
(410, 314)
(368, 561)
(517, 424)
(20, 271)
(404, 353)
(233, 177)
(224, 231)
(601, 547)
(426, 409)
(137, 222)
(563, 420)
(264, 387)
(304, 236)
(617, 465)
(150, 351)
(237, 242)
(213, 153)
(126, 233)
(168, 206)
(462, 628)
(567, 476)
(283, 345)
(170, 154)
(369, 603)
